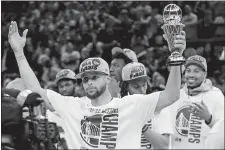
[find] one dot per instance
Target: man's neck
(103, 99)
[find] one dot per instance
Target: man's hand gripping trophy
(174, 34)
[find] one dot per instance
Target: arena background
(62, 34)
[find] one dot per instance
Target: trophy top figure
(172, 14)
(172, 26)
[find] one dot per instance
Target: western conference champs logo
(182, 120)
(100, 130)
(188, 124)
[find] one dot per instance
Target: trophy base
(175, 59)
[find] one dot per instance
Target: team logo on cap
(91, 64)
(137, 72)
(200, 59)
(62, 73)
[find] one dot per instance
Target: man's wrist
(19, 54)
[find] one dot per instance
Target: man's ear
(205, 75)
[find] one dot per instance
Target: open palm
(15, 40)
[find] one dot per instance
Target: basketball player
(115, 122)
(121, 57)
(200, 107)
(135, 81)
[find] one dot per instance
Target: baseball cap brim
(193, 62)
(58, 79)
(116, 50)
(139, 78)
(79, 75)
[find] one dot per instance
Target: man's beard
(97, 93)
(70, 93)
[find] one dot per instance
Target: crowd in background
(63, 34)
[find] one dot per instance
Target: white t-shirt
(160, 123)
(189, 130)
(215, 139)
(117, 124)
(54, 117)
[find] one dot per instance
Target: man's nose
(89, 82)
(111, 69)
(64, 88)
(190, 74)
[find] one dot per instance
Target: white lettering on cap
(91, 64)
(137, 72)
(63, 74)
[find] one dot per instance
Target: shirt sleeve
(145, 105)
(61, 103)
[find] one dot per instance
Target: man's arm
(172, 91)
(157, 140)
(30, 80)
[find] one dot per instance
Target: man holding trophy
(195, 115)
(118, 121)
(174, 35)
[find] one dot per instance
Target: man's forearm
(157, 140)
(173, 84)
(172, 91)
(30, 80)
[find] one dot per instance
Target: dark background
(62, 34)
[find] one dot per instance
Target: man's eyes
(95, 77)
(115, 65)
(85, 79)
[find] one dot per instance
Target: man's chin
(66, 94)
(92, 96)
(192, 86)
(113, 76)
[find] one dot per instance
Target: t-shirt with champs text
(117, 124)
(190, 131)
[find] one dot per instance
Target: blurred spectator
(190, 20)
(218, 80)
(62, 34)
(206, 30)
(139, 41)
(189, 52)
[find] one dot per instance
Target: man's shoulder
(215, 90)
(135, 97)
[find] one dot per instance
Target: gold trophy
(172, 26)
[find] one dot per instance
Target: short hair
(119, 55)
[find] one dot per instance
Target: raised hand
(201, 111)
(15, 40)
(179, 42)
